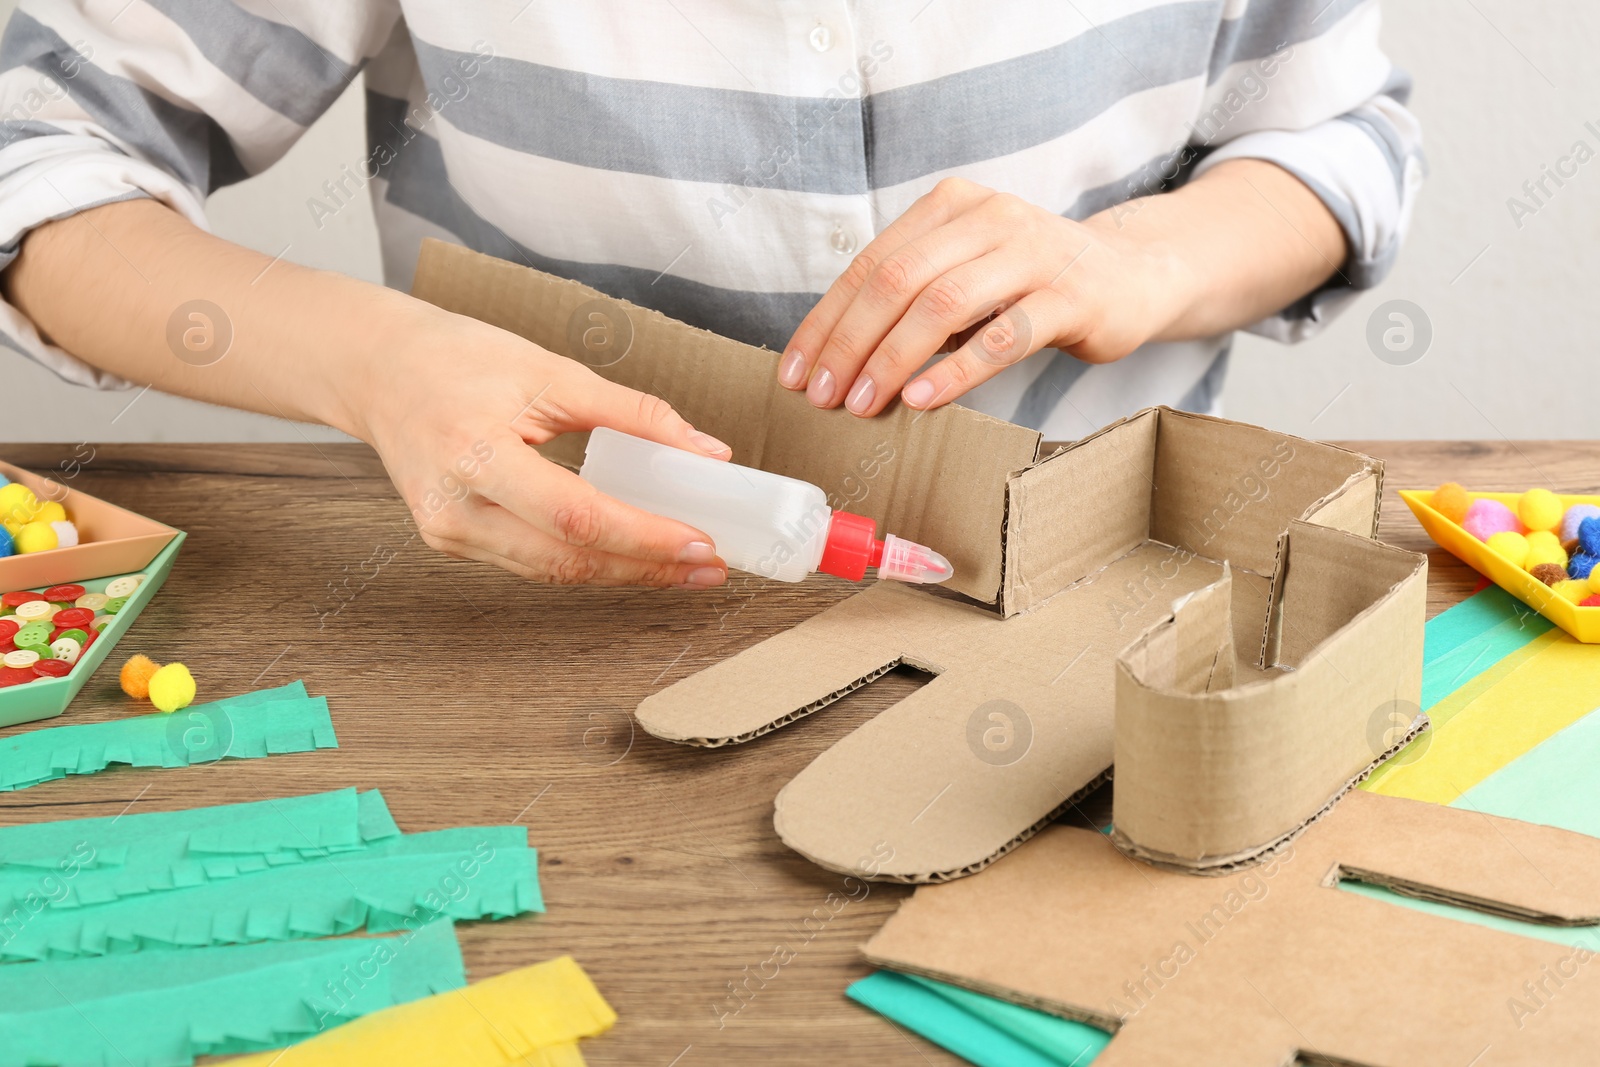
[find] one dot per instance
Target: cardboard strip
(935, 477)
(152, 1009)
(1268, 964)
(532, 1017)
(1210, 775)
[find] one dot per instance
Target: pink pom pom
(1487, 517)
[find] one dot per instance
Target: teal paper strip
(1556, 783)
(264, 723)
(988, 1037)
(469, 873)
(1473, 617)
(90, 861)
(154, 1009)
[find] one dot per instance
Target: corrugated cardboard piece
(937, 478)
(1273, 963)
(1081, 551)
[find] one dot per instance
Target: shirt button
(821, 38)
(842, 241)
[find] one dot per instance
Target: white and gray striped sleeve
(168, 99)
(1304, 84)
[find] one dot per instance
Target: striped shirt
(719, 160)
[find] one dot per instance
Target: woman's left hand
(964, 256)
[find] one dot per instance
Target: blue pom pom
(1581, 564)
(6, 547)
(1589, 537)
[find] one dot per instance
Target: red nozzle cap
(851, 547)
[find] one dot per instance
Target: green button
(34, 633)
(76, 634)
(38, 648)
(114, 605)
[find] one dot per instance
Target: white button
(124, 586)
(66, 649)
(35, 609)
(821, 38)
(21, 659)
(842, 240)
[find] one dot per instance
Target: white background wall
(1502, 91)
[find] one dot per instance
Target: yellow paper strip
(1527, 697)
(533, 1017)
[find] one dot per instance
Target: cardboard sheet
(937, 478)
(263, 723)
(532, 1017)
(154, 1009)
(1271, 963)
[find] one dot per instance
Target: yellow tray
(1582, 623)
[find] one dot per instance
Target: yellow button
(123, 586)
(36, 609)
(21, 658)
(92, 601)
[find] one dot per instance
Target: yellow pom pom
(18, 505)
(135, 676)
(1594, 580)
(1510, 545)
(36, 537)
(1573, 589)
(1540, 509)
(50, 511)
(172, 688)
(1450, 500)
(1543, 553)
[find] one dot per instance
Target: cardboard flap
(1272, 963)
(1190, 651)
(935, 477)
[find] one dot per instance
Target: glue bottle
(760, 522)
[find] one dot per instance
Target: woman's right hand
(454, 410)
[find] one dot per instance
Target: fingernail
(820, 391)
(706, 577)
(697, 552)
(708, 444)
(792, 371)
(919, 393)
(860, 398)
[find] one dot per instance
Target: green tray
(50, 696)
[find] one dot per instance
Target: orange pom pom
(135, 676)
(1451, 501)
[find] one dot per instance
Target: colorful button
(20, 597)
(66, 649)
(22, 658)
(68, 593)
(34, 633)
(8, 629)
(35, 609)
(92, 601)
(100, 622)
(115, 604)
(70, 617)
(123, 587)
(76, 634)
(52, 668)
(17, 676)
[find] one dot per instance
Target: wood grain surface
(471, 697)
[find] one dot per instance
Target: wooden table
(471, 697)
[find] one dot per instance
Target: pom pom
(1543, 547)
(66, 534)
(1590, 601)
(6, 547)
(1581, 565)
(1539, 509)
(172, 688)
(1594, 581)
(36, 537)
(1451, 501)
(1589, 537)
(1571, 589)
(1548, 573)
(18, 505)
(136, 675)
(50, 511)
(1513, 547)
(1573, 516)
(1487, 517)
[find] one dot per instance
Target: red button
(52, 668)
(20, 597)
(72, 618)
(8, 629)
(69, 593)
(16, 675)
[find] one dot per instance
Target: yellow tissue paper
(532, 1017)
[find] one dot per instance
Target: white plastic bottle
(760, 522)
